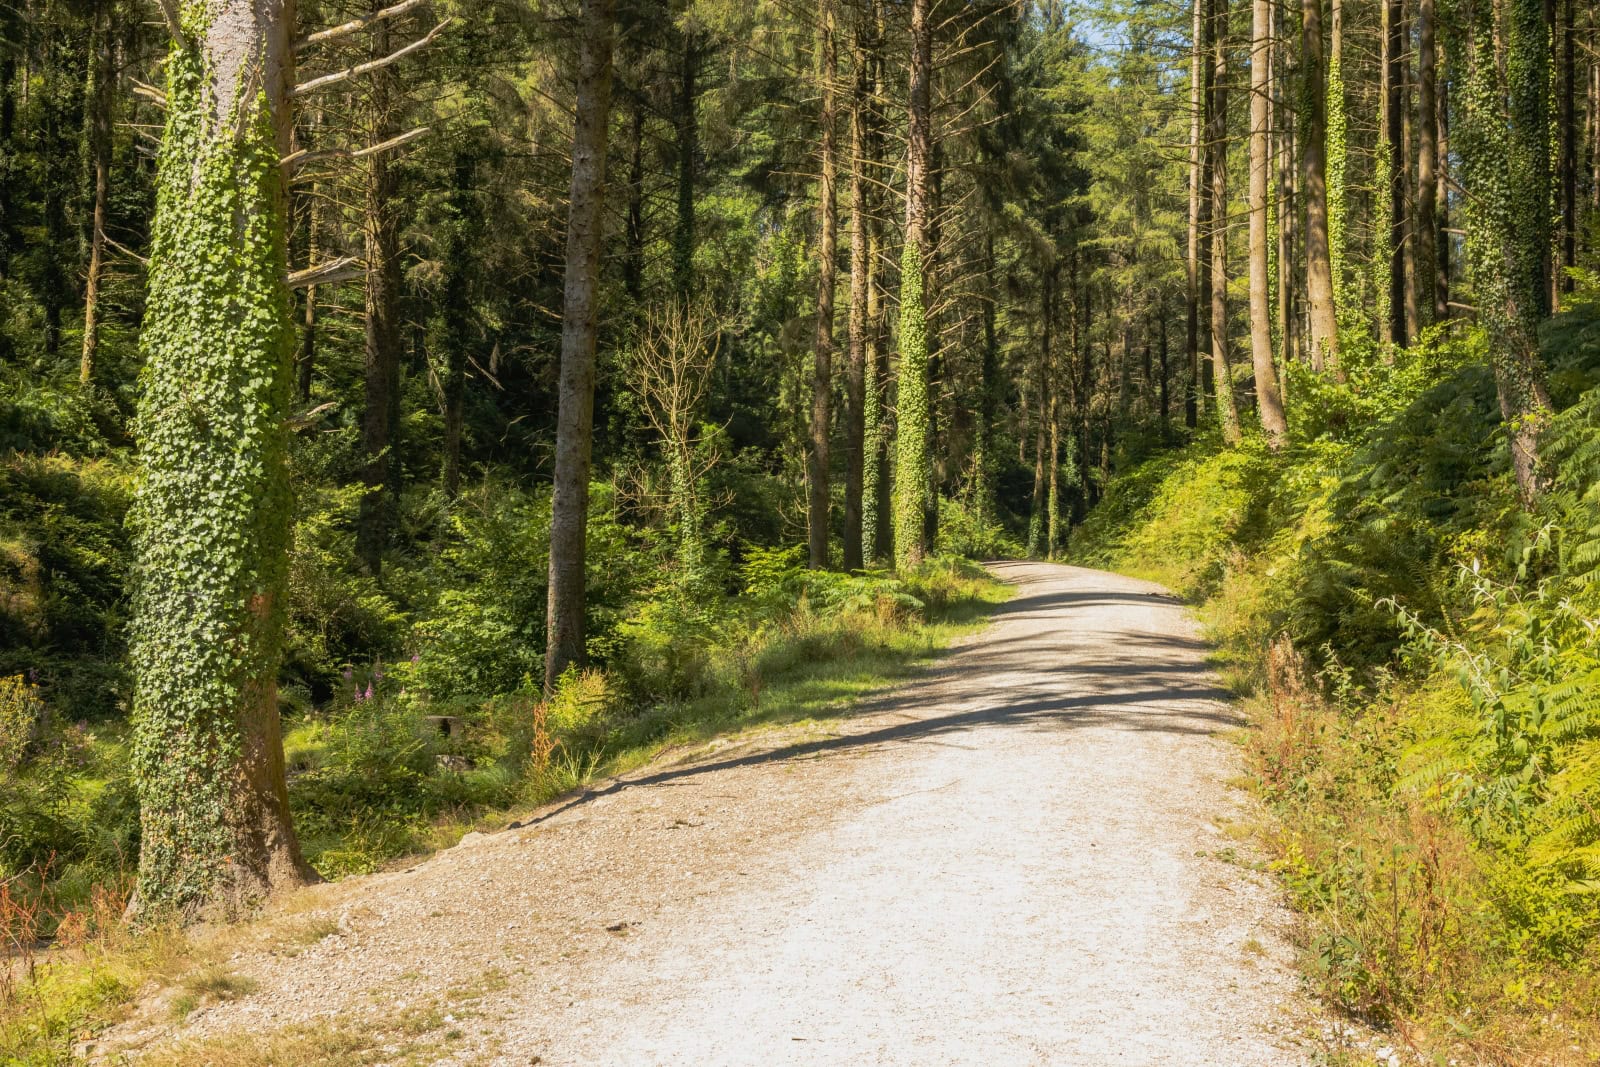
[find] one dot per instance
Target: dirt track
(1009, 860)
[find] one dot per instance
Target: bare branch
(355, 25)
(124, 249)
(149, 92)
(316, 84)
(343, 269)
(307, 155)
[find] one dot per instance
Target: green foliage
(210, 519)
(1426, 688)
(912, 469)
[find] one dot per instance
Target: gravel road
(1011, 859)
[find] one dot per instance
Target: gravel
(1018, 857)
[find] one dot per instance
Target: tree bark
(1217, 145)
(1427, 228)
(1394, 48)
(1505, 168)
(569, 503)
(210, 518)
(856, 368)
(1198, 102)
(688, 132)
(1569, 145)
(98, 103)
(912, 469)
(381, 336)
(1323, 321)
(818, 492)
(1269, 397)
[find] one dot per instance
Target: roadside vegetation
(1422, 667)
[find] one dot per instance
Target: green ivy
(211, 514)
(912, 470)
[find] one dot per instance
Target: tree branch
(149, 92)
(343, 269)
(307, 155)
(316, 84)
(355, 25)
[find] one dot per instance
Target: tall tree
(381, 323)
(569, 503)
(1198, 101)
(1505, 159)
(1217, 147)
(210, 519)
(1429, 272)
(818, 496)
(856, 366)
(912, 466)
(1269, 398)
(1323, 319)
(99, 100)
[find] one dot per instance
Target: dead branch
(355, 25)
(338, 76)
(343, 269)
(307, 155)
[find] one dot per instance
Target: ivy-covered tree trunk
(569, 503)
(818, 495)
(1323, 333)
(210, 520)
(1337, 139)
(912, 469)
(1504, 144)
(1269, 398)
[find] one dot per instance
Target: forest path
(1010, 859)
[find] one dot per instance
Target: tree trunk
(569, 502)
(1269, 398)
(988, 398)
(98, 103)
(1288, 206)
(912, 469)
(1569, 145)
(1044, 414)
(464, 242)
(382, 327)
(1217, 145)
(856, 368)
(1197, 107)
(688, 130)
(876, 505)
(1324, 326)
(1336, 138)
(633, 253)
(1505, 168)
(1427, 228)
(211, 515)
(1394, 49)
(818, 493)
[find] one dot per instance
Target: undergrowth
(1419, 656)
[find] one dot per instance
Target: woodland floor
(1021, 856)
